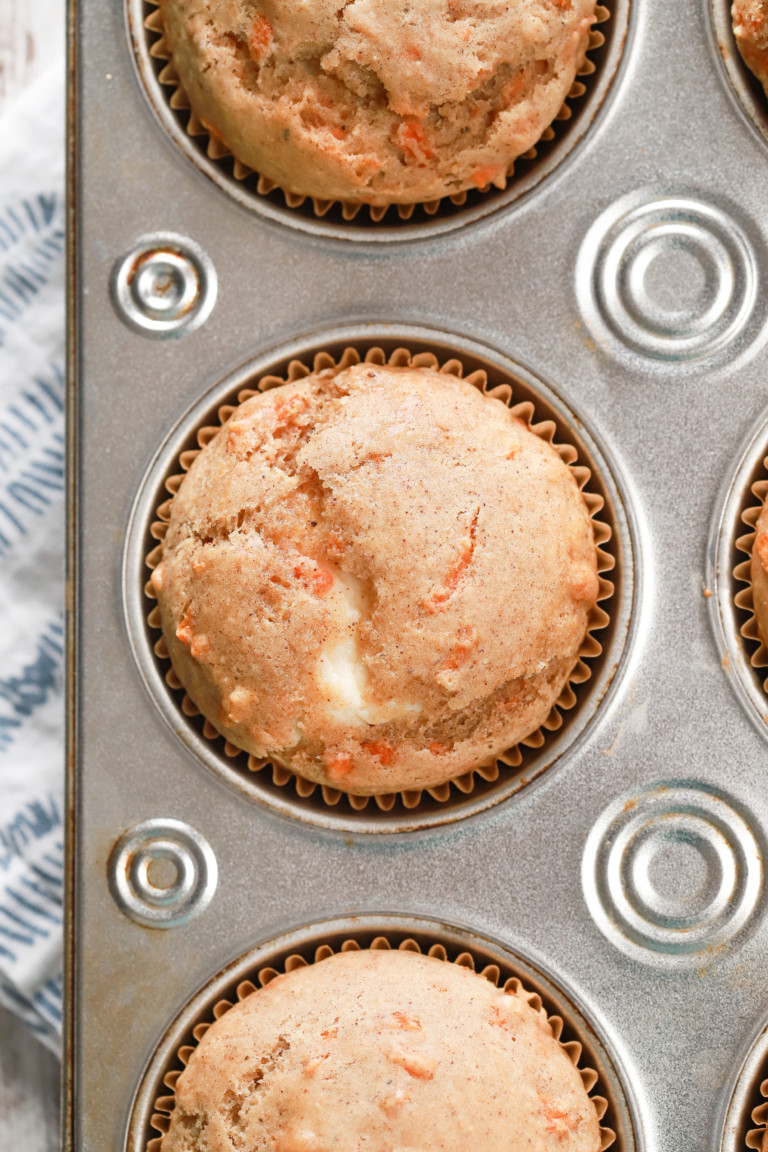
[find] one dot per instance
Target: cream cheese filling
(341, 672)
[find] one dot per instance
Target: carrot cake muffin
(383, 1051)
(396, 102)
(750, 27)
(760, 574)
(376, 577)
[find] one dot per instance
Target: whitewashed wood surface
(31, 37)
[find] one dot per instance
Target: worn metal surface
(631, 875)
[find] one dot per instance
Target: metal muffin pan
(628, 285)
(726, 554)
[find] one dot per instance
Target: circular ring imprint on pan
(154, 1100)
(672, 873)
(601, 649)
(672, 279)
(746, 86)
(162, 873)
(357, 222)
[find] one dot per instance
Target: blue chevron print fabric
(32, 222)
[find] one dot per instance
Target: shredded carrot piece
(311, 1066)
(184, 630)
(753, 24)
(437, 600)
(260, 39)
(460, 651)
(411, 137)
(484, 176)
(321, 581)
(339, 764)
(416, 1065)
(316, 580)
(287, 408)
(761, 547)
(382, 750)
(511, 90)
(559, 1123)
(407, 1023)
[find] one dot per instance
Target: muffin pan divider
(628, 877)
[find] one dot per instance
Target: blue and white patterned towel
(32, 226)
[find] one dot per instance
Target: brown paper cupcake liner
(217, 150)
(165, 1104)
(757, 1137)
(743, 599)
(590, 646)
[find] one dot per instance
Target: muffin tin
(619, 285)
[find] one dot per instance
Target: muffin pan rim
(722, 556)
(532, 970)
(745, 1095)
(617, 645)
(592, 106)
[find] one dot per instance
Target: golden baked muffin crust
(382, 1051)
(396, 102)
(377, 577)
(750, 27)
